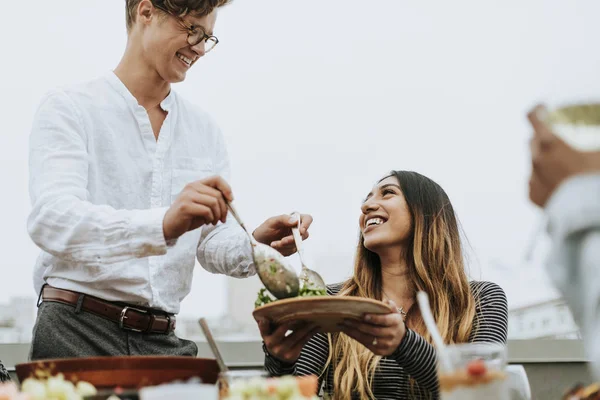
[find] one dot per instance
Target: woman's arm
(418, 357)
(491, 313)
(313, 355)
(276, 367)
(311, 361)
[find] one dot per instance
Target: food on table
(476, 368)
(284, 388)
(264, 297)
(574, 393)
(48, 388)
(581, 392)
(9, 391)
(476, 381)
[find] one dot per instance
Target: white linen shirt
(100, 185)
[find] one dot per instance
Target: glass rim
(477, 345)
(242, 373)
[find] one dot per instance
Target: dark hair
(179, 8)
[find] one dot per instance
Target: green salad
(264, 297)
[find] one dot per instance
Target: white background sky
(318, 99)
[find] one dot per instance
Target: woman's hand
(379, 333)
(284, 347)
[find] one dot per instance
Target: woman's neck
(396, 283)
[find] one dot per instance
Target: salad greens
(264, 297)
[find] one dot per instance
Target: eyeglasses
(196, 34)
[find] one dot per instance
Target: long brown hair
(435, 265)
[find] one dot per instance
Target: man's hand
(277, 232)
(199, 203)
(553, 161)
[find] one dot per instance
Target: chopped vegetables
(51, 388)
(310, 291)
(264, 297)
(284, 388)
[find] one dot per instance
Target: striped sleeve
(313, 357)
(276, 367)
(417, 356)
(4, 376)
(414, 358)
(491, 314)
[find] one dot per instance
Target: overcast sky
(318, 99)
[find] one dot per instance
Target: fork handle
(298, 240)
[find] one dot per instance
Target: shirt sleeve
(491, 314)
(63, 222)
(574, 227)
(225, 248)
(313, 356)
(312, 360)
(276, 367)
(418, 357)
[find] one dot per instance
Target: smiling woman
(409, 242)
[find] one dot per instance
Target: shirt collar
(120, 87)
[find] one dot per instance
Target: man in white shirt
(566, 183)
(128, 187)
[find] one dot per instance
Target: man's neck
(142, 81)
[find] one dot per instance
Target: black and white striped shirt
(4, 376)
(415, 357)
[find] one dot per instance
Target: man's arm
(574, 264)
(63, 222)
(225, 248)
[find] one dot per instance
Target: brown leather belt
(129, 318)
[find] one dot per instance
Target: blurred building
(17, 318)
(549, 319)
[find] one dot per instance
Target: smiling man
(128, 187)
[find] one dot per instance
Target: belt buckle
(123, 317)
(171, 323)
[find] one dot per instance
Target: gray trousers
(62, 332)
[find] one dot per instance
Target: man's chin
(173, 76)
(177, 79)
